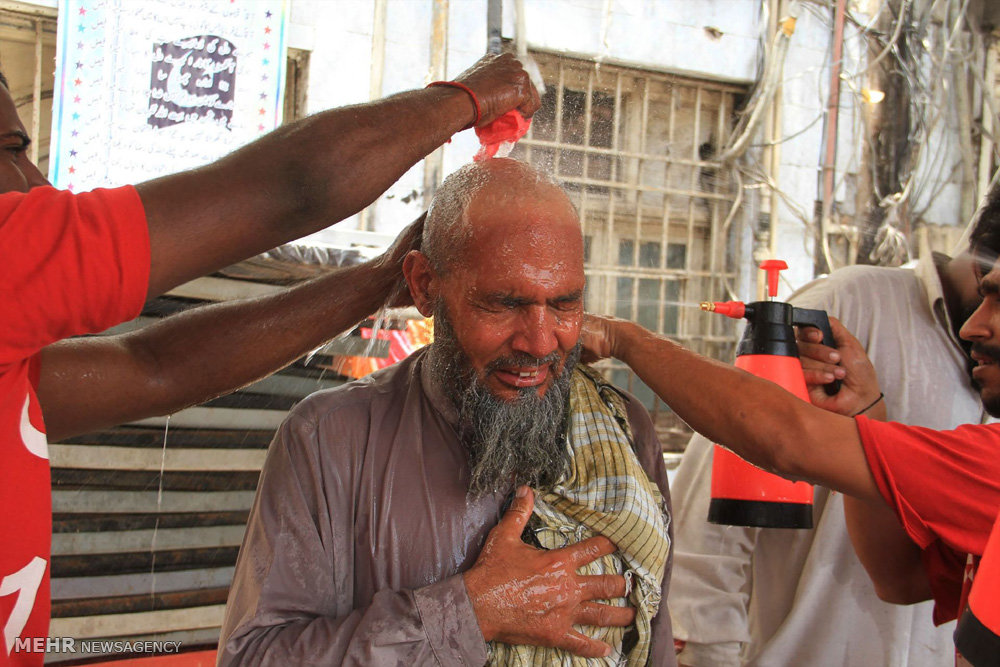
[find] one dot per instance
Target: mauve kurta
(361, 528)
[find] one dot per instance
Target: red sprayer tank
(742, 494)
(977, 636)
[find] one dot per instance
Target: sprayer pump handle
(808, 317)
(773, 267)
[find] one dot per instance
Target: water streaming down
(380, 320)
(156, 523)
(381, 317)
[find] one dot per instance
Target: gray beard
(510, 443)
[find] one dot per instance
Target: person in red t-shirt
(80, 263)
(919, 503)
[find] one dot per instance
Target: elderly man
(80, 263)
(370, 541)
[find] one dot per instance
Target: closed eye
(16, 142)
(568, 302)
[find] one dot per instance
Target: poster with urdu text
(146, 88)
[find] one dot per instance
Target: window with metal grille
(296, 85)
(27, 59)
(635, 150)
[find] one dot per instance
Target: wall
(634, 32)
(713, 39)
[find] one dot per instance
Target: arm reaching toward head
(91, 383)
(755, 418)
(313, 173)
(775, 430)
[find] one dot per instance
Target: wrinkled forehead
(532, 265)
(537, 222)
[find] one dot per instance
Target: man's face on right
(982, 329)
(17, 172)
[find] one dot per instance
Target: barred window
(636, 151)
(27, 59)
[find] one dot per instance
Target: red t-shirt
(945, 488)
(72, 264)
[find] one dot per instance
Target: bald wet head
(486, 193)
(501, 270)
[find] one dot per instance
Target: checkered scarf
(608, 493)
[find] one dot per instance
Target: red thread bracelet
(462, 86)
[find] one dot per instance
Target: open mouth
(531, 376)
(982, 359)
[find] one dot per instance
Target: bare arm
(773, 429)
(891, 559)
(91, 383)
(313, 173)
(755, 418)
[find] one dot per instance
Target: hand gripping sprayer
(742, 494)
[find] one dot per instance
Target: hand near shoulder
(525, 595)
(859, 390)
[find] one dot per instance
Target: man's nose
(536, 334)
(977, 326)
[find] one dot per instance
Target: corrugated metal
(149, 517)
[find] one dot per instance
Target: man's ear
(422, 281)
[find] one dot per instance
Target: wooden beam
(111, 502)
(79, 479)
(220, 418)
(98, 457)
(143, 540)
(89, 523)
(66, 588)
(103, 565)
(140, 602)
(220, 289)
(116, 625)
(138, 436)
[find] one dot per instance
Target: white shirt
(783, 598)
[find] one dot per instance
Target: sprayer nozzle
(733, 309)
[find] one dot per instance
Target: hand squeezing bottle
(742, 494)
